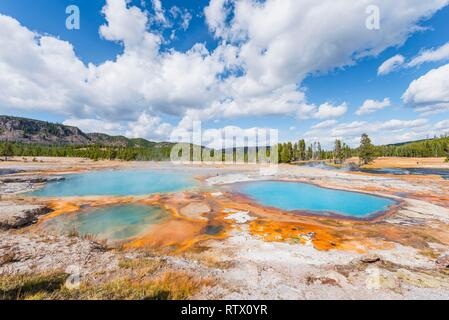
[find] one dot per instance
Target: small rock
(7, 257)
(370, 259)
(443, 261)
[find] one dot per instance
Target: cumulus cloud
(96, 126)
(149, 127)
(429, 93)
(124, 24)
(265, 51)
(370, 106)
(390, 65)
(327, 110)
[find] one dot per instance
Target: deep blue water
(306, 197)
(120, 222)
(117, 183)
(444, 173)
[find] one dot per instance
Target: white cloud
(266, 49)
(442, 125)
(145, 126)
(124, 24)
(432, 55)
(231, 136)
(324, 124)
(429, 93)
(398, 125)
(159, 13)
(384, 132)
(327, 110)
(398, 61)
(149, 127)
(390, 65)
(370, 106)
(184, 15)
(40, 73)
(216, 14)
(96, 126)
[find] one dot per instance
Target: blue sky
(337, 77)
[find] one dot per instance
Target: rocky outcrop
(14, 216)
(372, 258)
(30, 131)
(24, 130)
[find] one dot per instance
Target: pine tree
(302, 149)
(290, 156)
(7, 151)
(285, 154)
(309, 154)
(337, 151)
(446, 151)
(366, 150)
(346, 151)
(295, 152)
(319, 156)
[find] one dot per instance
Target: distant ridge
(30, 131)
(399, 144)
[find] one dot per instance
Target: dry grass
(28, 286)
(142, 266)
(169, 286)
(398, 162)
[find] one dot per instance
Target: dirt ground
(397, 162)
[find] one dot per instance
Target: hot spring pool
(114, 223)
(117, 183)
(295, 196)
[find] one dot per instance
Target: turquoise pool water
(117, 183)
(302, 196)
(115, 223)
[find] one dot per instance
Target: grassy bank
(51, 286)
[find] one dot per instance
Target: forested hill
(30, 131)
(23, 137)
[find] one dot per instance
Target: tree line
(288, 152)
(366, 151)
(94, 152)
(299, 151)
